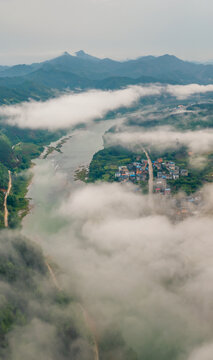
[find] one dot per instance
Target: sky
(35, 30)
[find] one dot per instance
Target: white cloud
(203, 353)
(184, 91)
(72, 109)
(134, 269)
(162, 138)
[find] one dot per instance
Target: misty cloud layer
(41, 329)
(162, 138)
(134, 270)
(73, 109)
(138, 271)
(184, 91)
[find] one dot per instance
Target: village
(181, 206)
(163, 170)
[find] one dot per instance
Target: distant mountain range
(83, 71)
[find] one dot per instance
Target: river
(53, 177)
(53, 180)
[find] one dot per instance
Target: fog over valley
(121, 273)
(87, 106)
(106, 180)
(133, 269)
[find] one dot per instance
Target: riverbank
(55, 176)
(19, 147)
(56, 146)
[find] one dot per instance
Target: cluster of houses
(166, 170)
(163, 171)
(137, 171)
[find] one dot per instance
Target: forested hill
(41, 80)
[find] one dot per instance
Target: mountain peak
(65, 53)
(169, 57)
(81, 54)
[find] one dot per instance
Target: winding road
(5, 200)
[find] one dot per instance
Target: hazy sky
(32, 30)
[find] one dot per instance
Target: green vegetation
(105, 163)
(34, 311)
(196, 178)
(194, 117)
(39, 81)
(17, 149)
(7, 156)
(113, 346)
(57, 148)
(19, 262)
(38, 137)
(29, 303)
(81, 174)
(17, 203)
(4, 178)
(188, 184)
(179, 155)
(25, 152)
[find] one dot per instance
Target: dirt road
(5, 200)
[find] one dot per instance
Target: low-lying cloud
(139, 270)
(135, 270)
(75, 108)
(72, 109)
(162, 138)
(184, 91)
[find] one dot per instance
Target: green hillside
(83, 71)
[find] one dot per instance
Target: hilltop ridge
(84, 71)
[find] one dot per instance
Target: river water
(53, 178)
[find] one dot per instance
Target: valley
(88, 212)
